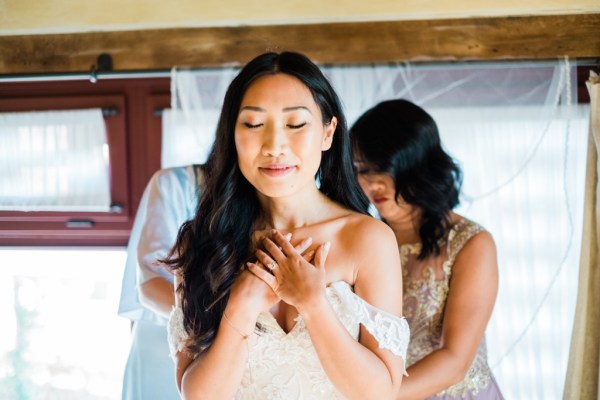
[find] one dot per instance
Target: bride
(285, 287)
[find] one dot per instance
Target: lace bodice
(426, 285)
(286, 366)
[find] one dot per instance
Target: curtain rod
(94, 76)
(85, 76)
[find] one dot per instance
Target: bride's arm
(359, 370)
(225, 360)
(363, 370)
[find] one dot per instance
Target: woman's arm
(362, 370)
(156, 294)
(226, 359)
(359, 370)
(471, 298)
(171, 201)
(217, 373)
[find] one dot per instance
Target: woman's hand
(252, 291)
(251, 295)
(291, 276)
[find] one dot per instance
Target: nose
(372, 177)
(375, 184)
(274, 142)
(372, 182)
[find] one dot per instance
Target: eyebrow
(286, 109)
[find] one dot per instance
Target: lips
(379, 199)
(275, 170)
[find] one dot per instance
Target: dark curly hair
(401, 139)
(211, 248)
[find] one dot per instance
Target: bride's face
(280, 135)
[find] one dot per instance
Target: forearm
(157, 294)
(435, 372)
(216, 374)
(340, 354)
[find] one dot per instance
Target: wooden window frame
(134, 138)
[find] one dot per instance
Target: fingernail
(327, 246)
(288, 236)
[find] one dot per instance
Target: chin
(276, 192)
(383, 212)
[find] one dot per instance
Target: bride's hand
(251, 295)
(253, 291)
(291, 275)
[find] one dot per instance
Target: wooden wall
(490, 38)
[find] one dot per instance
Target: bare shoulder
(376, 259)
(366, 236)
(365, 228)
(474, 283)
(480, 249)
(481, 241)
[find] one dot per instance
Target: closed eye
(291, 126)
(369, 171)
(250, 126)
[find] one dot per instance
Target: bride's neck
(287, 214)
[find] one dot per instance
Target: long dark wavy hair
(401, 139)
(211, 248)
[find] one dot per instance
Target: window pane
(54, 161)
(61, 336)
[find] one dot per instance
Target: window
(133, 131)
(61, 335)
(60, 164)
(58, 305)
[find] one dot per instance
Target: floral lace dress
(285, 366)
(426, 284)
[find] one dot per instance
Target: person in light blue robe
(147, 293)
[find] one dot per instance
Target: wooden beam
(494, 38)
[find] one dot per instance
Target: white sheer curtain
(189, 126)
(521, 141)
(54, 161)
(525, 182)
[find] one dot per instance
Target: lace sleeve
(391, 332)
(177, 335)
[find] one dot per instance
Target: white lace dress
(286, 366)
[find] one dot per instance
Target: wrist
(241, 319)
(313, 308)
(243, 334)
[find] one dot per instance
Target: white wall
(21, 17)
